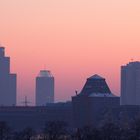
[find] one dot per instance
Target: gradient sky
(73, 38)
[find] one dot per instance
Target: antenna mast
(26, 102)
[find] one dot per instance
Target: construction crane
(26, 102)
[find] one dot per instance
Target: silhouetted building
(95, 85)
(44, 88)
(19, 117)
(130, 84)
(7, 81)
(94, 101)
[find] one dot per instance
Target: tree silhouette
(135, 130)
(4, 131)
(110, 131)
(90, 133)
(55, 130)
(26, 134)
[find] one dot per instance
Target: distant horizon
(32, 104)
(75, 39)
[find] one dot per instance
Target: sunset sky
(73, 38)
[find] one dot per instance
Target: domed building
(93, 102)
(96, 86)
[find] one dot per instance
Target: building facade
(44, 88)
(130, 84)
(93, 103)
(21, 117)
(7, 81)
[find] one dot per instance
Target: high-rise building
(44, 88)
(7, 81)
(130, 84)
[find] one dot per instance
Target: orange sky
(73, 38)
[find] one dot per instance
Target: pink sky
(73, 38)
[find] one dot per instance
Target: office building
(130, 84)
(44, 88)
(7, 81)
(94, 101)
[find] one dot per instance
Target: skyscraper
(130, 84)
(7, 81)
(44, 88)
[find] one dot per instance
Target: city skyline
(44, 90)
(94, 37)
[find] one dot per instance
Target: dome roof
(96, 76)
(95, 84)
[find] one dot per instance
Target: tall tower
(7, 81)
(130, 84)
(44, 88)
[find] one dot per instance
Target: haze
(73, 38)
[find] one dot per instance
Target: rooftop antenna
(132, 60)
(76, 92)
(26, 102)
